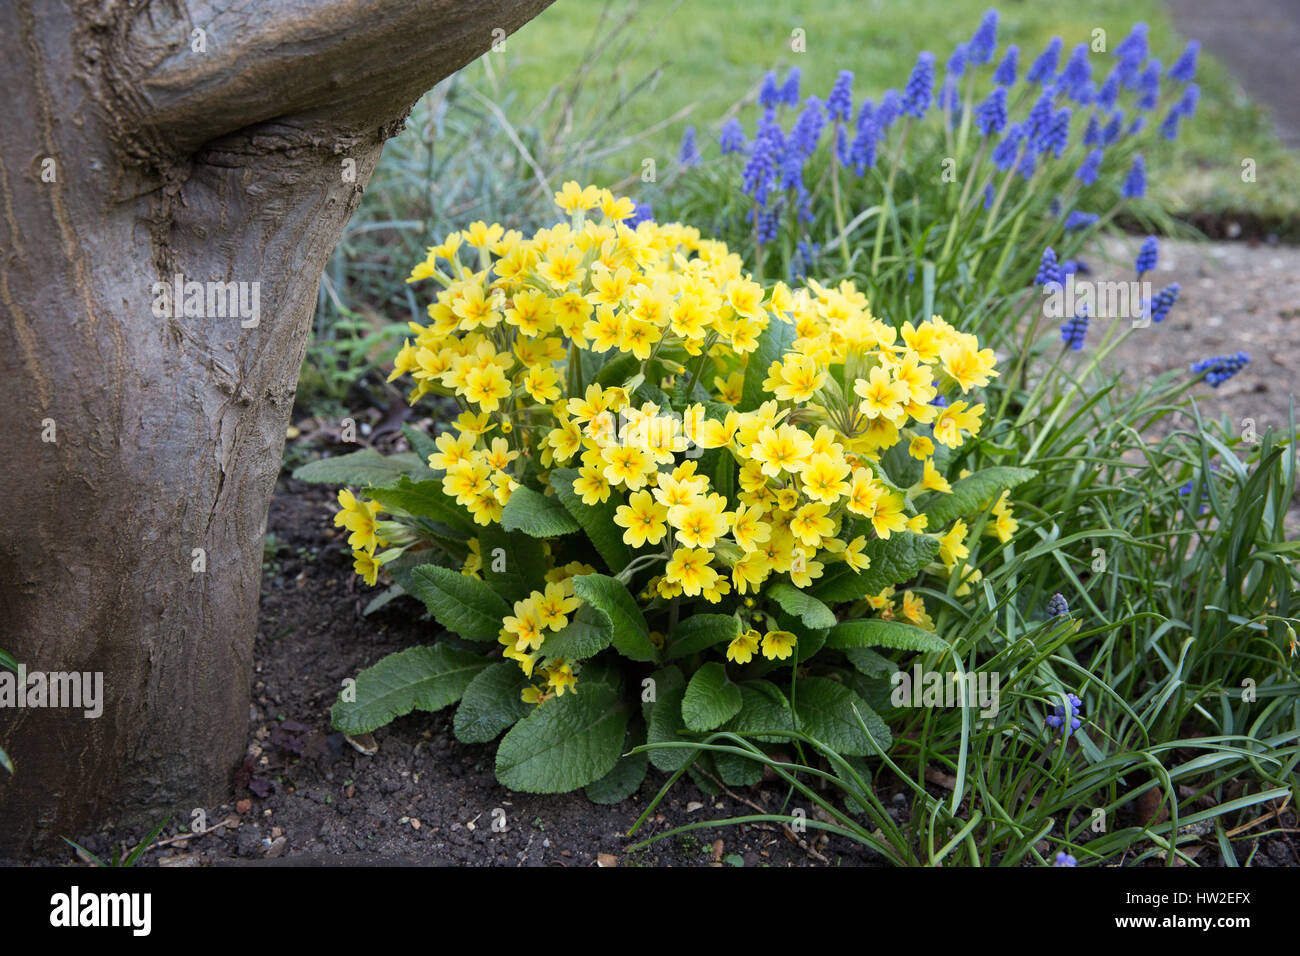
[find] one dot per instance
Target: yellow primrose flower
(931, 480)
(952, 546)
(882, 396)
(743, 647)
(644, 518)
(689, 568)
(778, 645)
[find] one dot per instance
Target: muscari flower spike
(1057, 606)
(1109, 91)
(1090, 168)
(1068, 722)
(732, 137)
(1135, 183)
(688, 155)
(1076, 78)
(1184, 68)
(1073, 333)
(1005, 153)
(956, 65)
(1006, 70)
(769, 94)
(641, 212)
(1147, 256)
(1049, 270)
(985, 39)
(1218, 370)
(1149, 86)
(1043, 69)
(1064, 859)
(1079, 220)
(1130, 52)
(1164, 302)
(790, 89)
(839, 104)
(919, 92)
(991, 114)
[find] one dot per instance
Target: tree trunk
(219, 142)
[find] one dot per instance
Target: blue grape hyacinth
(1164, 302)
(732, 138)
(1073, 333)
(1135, 183)
(1043, 69)
(919, 92)
(1049, 270)
(1147, 256)
(1184, 68)
(985, 40)
(1221, 368)
(839, 104)
(1057, 606)
(1064, 859)
(689, 154)
(1067, 722)
(991, 115)
(1005, 74)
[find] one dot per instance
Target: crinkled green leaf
(364, 467)
(873, 632)
(825, 710)
(424, 499)
(535, 514)
(631, 632)
(701, 631)
(628, 773)
(513, 563)
(665, 723)
(800, 604)
(462, 604)
(596, 520)
(418, 678)
(588, 632)
(893, 560)
(773, 343)
(762, 708)
(566, 743)
(491, 703)
(710, 699)
(971, 494)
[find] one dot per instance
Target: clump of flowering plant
(665, 471)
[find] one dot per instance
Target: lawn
(674, 63)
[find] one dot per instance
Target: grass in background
(706, 56)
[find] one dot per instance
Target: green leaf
(7, 661)
(5, 761)
(807, 608)
(971, 494)
(424, 499)
(872, 632)
(491, 703)
(418, 678)
(631, 632)
(566, 743)
(626, 777)
(535, 514)
(462, 604)
(893, 561)
(825, 710)
(869, 662)
(588, 633)
(773, 343)
(710, 699)
(513, 563)
(738, 771)
(597, 520)
(763, 707)
(701, 631)
(421, 444)
(364, 467)
(665, 723)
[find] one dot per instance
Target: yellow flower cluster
(511, 336)
(361, 518)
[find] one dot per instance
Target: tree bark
(128, 157)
